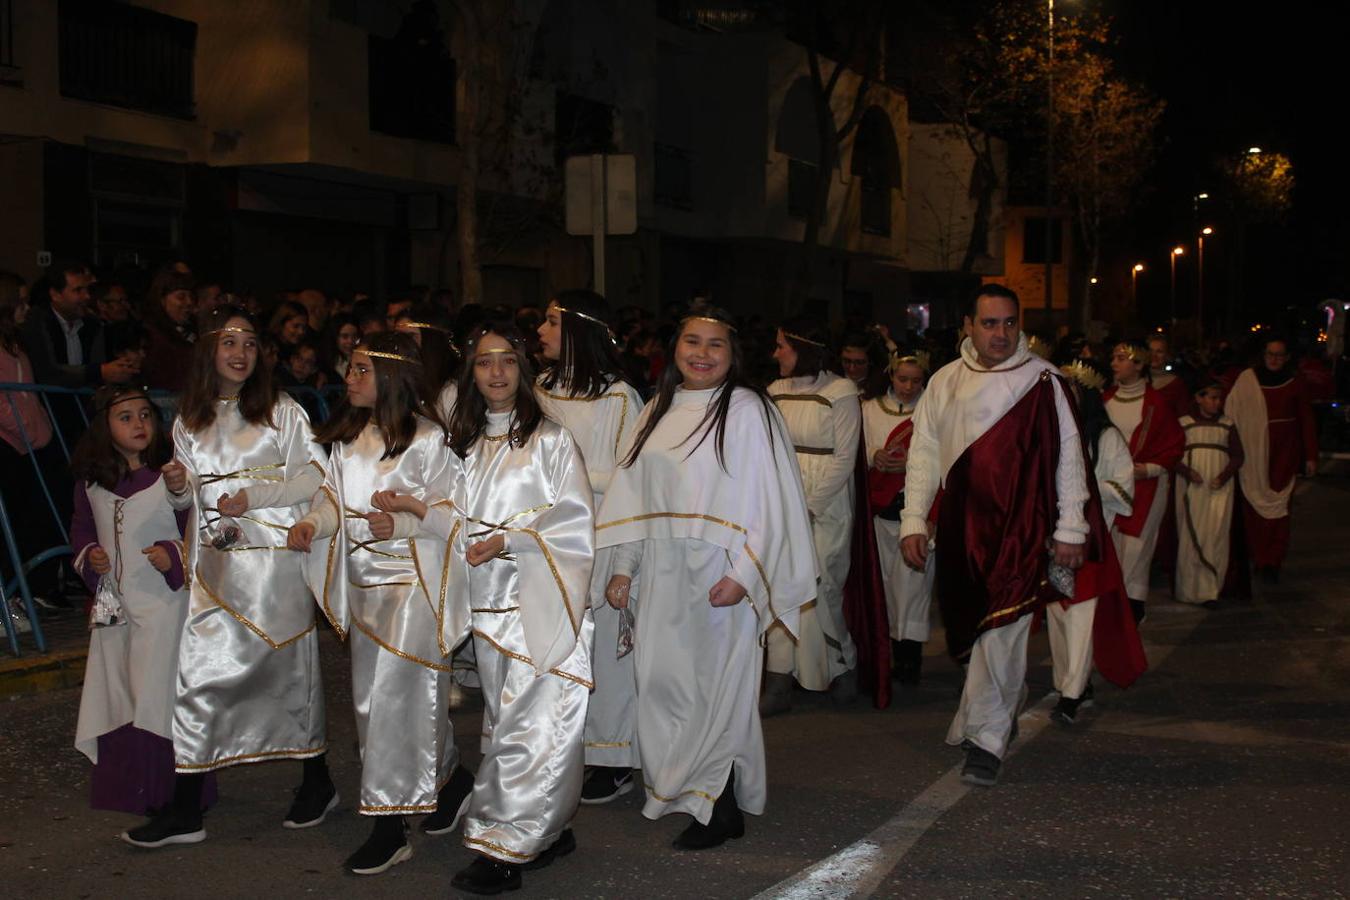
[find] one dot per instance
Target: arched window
(876, 161)
(797, 138)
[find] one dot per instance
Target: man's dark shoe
(981, 766)
(487, 877)
(725, 823)
(908, 668)
(564, 845)
(1066, 710)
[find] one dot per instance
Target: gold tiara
(726, 325)
(511, 350)
(922, 359)
(235, 329)
(399, 357)
(1129, 350)
(804, 340)
(428, 325)
(1038, 346)
(1084, 374)
(588, 318)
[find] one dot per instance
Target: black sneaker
(981, 766)
(487, 877)
(383, 850)
(311, 806)
(564, 845)
(1066, 710)
(451, 804)
(1140, 611)
(165, 829)
(606, 783)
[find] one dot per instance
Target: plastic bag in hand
(107, 604)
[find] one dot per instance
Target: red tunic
(1293, 444)
(1158, 440)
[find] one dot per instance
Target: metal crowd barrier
(67, 427)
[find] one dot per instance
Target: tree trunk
(469, 136)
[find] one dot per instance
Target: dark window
(674, 177)
(582, 126)
(801, 187)
(126, 56)
(876, 207)
(9, 66)
(412, 80)
(1033, 240)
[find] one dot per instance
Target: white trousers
(995, 686)
(909, 594)
(1136, 553)
(1071, 645)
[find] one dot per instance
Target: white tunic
(248, 669)
(683, 522)
(823, 420)
(1204, 514)
(909, 594)
(392, 597)
(531, 629)
(130, 674)
(1126, 409)
(601, 426)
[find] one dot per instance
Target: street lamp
(1134, 284)
(1200, 276)
(1176, 251)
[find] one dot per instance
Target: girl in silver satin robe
(380, 578)
(521, 525)
(248, 685)
(585, 389)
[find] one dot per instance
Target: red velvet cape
(1158, 440)
(865, 593)
(997, 513)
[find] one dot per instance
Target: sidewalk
(62, 666)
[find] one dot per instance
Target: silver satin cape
(248, 665)
(601, 426)
(391, 597)
(680, 522)
(531, 631)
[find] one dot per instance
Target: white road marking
(859, 869)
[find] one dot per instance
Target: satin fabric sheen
(249, 686)
(391, 596)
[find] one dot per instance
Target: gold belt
(815, 451)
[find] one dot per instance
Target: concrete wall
(1028, 279)
(21, 222)
(941, 208)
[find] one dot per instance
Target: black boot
(726, 822)
(386, 847)
(451, 803)
(178, 823)
(316, 796)
(909, 661)
(487, 876)
(565, 844)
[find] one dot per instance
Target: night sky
(1234, 80)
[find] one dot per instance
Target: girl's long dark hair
(714, 421)
(1092, 416)
(96, 459)
(398, 398)
(588, 360)
(811, 341)
(440, 359)
(470, 417)
(197, 408)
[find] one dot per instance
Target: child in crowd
(887, 426)
(129, 551)
(522, 519)
(1212, 457)
(371, 578)
(249, 687)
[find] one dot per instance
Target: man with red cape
(996, 432)
(1269, 406)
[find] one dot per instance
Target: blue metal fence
(66, 430)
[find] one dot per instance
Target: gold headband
(804, 340)
(1129, 350)
(235, 329)
(394, 356)
(588, 318)
(920, 359)
(1084, 374)
(122, 398)
(726, 325)
(428, 325)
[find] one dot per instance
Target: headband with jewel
(399, 357)
(803, 339)
(726, 325)
(1134, 352)
(1084, 374)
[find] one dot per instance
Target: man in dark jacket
(64, 342)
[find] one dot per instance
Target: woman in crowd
(371, 575)
(823, 419)
(249, 687)
(344, 334)
(713, 546)
(289, 323)
(586, 390)
(168, 323)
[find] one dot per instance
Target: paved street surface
(1225, 772)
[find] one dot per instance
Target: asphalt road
(1224, 772)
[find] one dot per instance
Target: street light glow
(1092, 280)
(1206, 231)
(1178, 251)
(1138, 267)
(1202, 196)
(1253, 150)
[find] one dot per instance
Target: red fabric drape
(1158, 440)
(865, 594)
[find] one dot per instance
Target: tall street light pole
(1050, 159)
(1176, 251)
(1200, 276)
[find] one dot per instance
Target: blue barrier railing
(14, 567)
